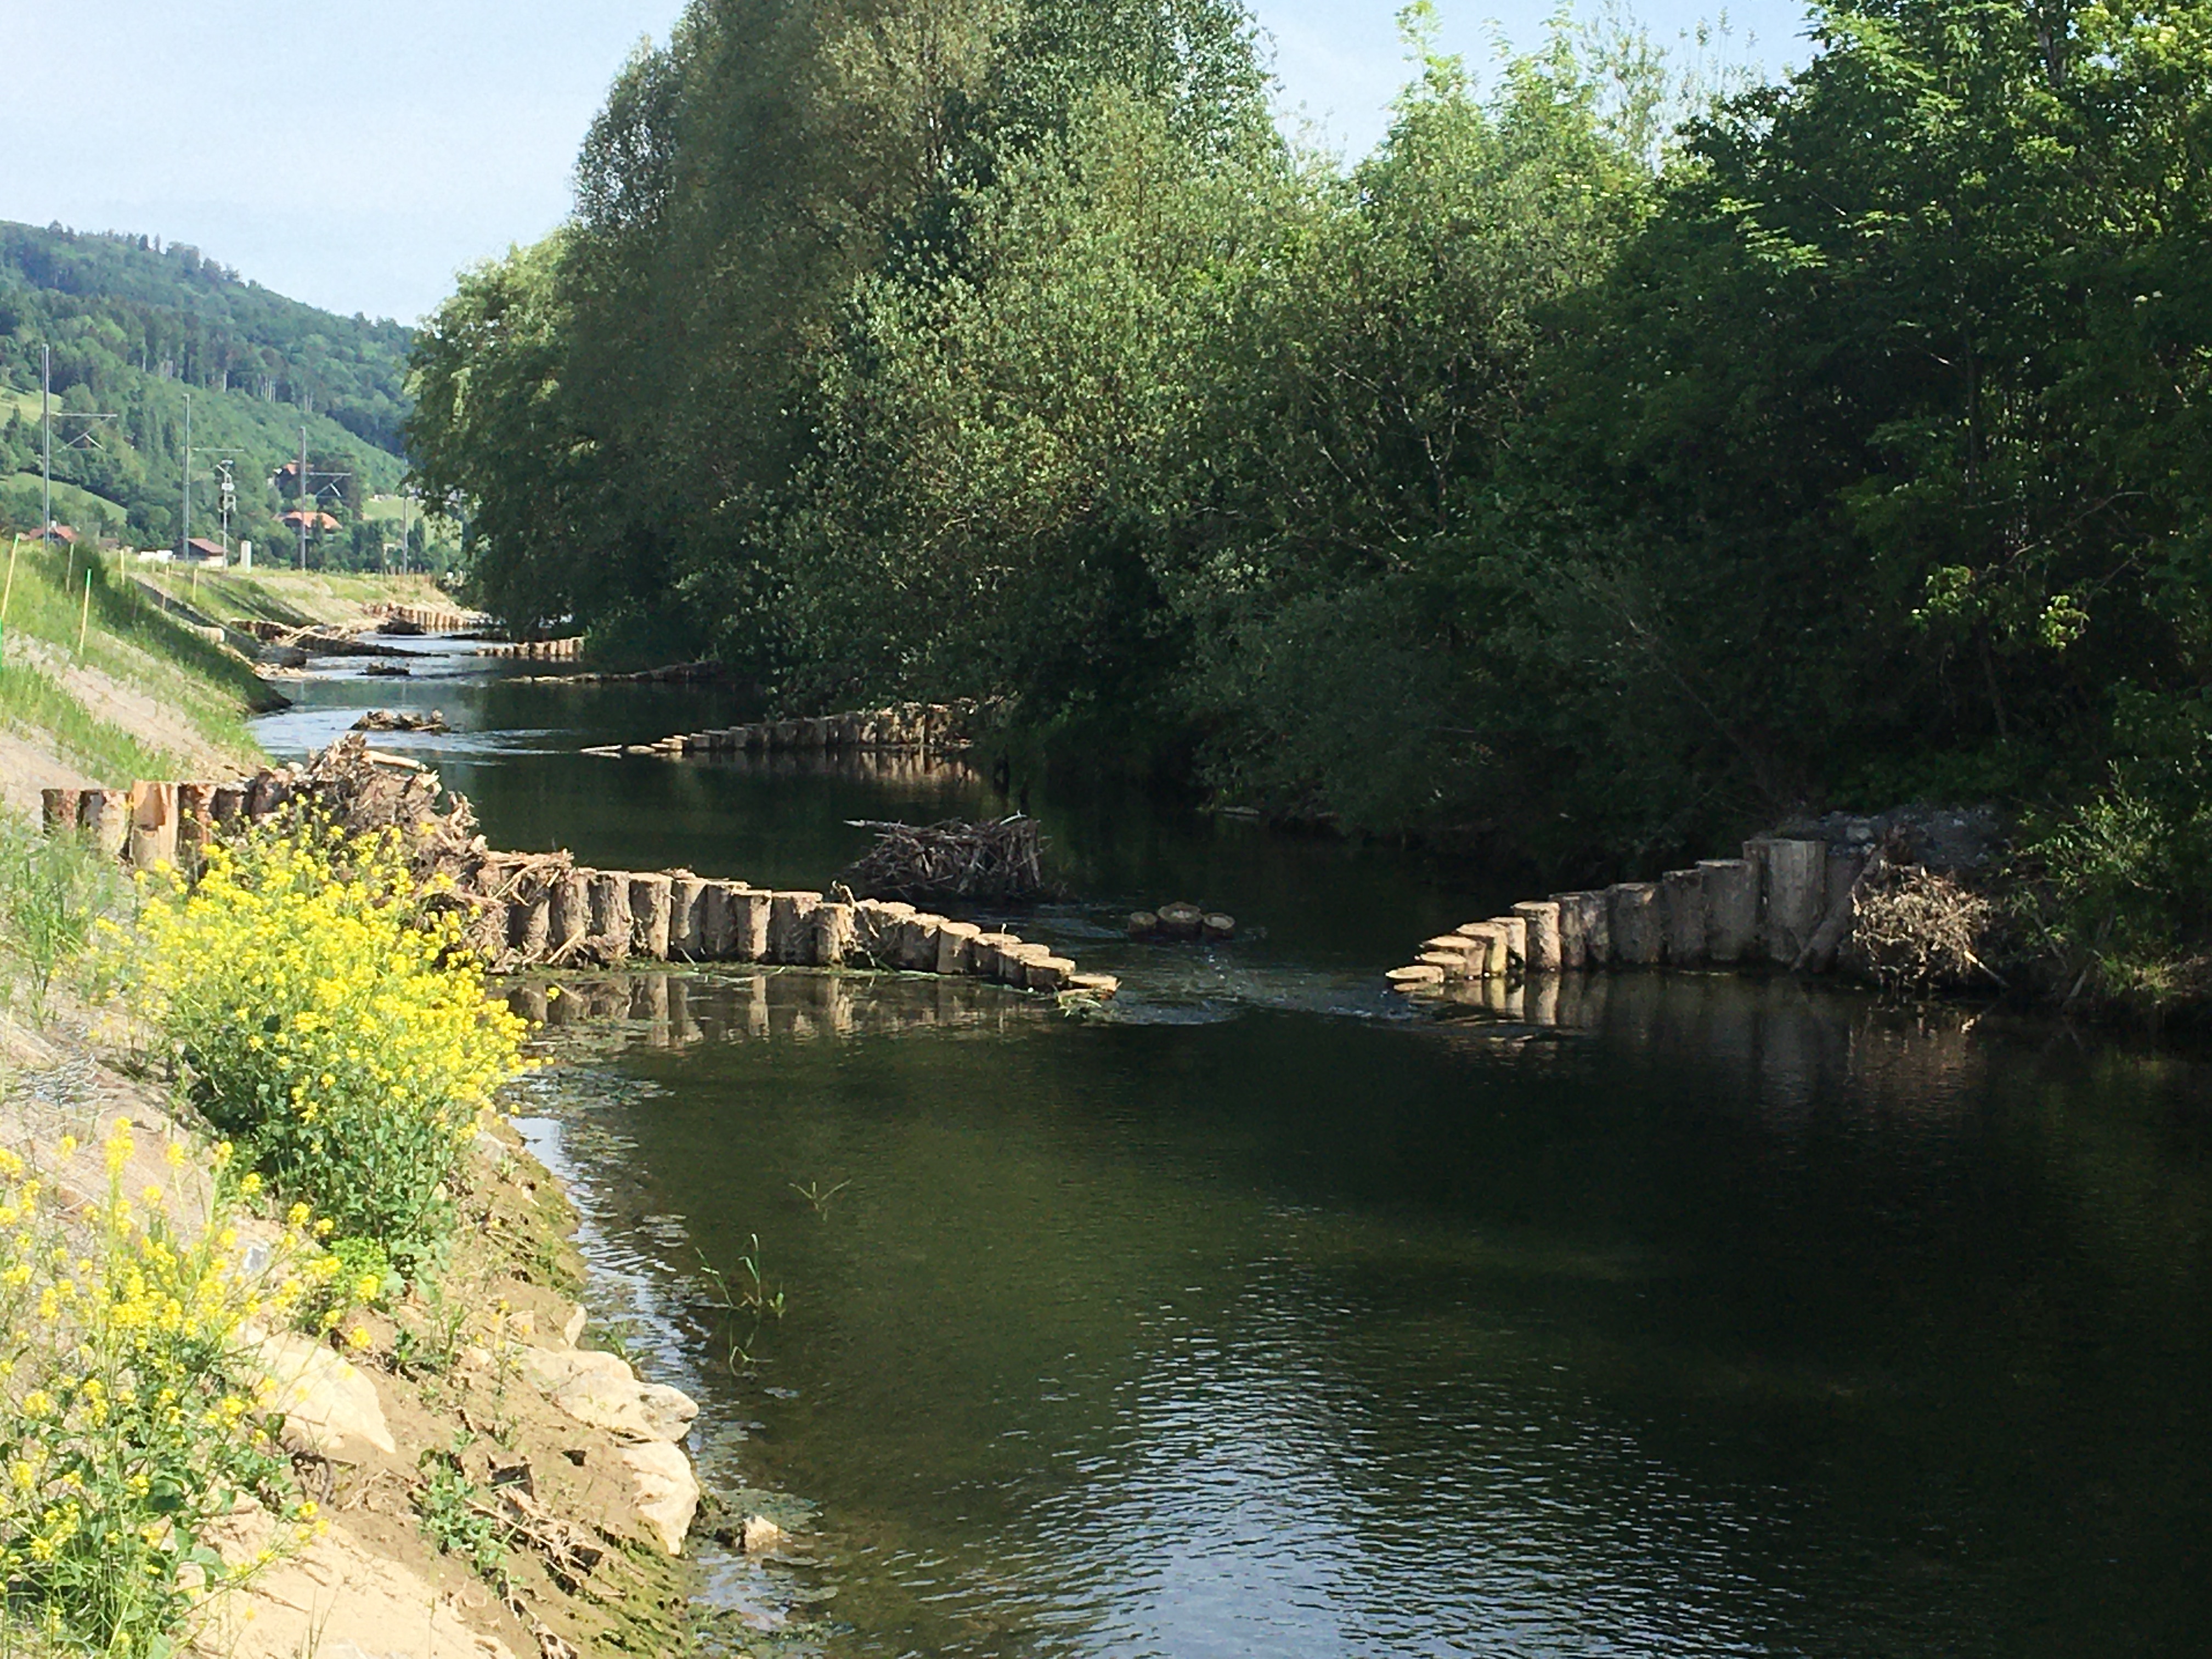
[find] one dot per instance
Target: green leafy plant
(450, 1509)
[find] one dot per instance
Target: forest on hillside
(131, 327)
(1608, 463)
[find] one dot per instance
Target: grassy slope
(146, 697)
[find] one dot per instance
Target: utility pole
(46, 444)
(185, 535)
(303, 498)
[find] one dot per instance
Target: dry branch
(997, 861)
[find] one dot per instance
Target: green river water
(1257, 1316)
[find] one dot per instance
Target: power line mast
(302, 508)
(84, 438)
(185, 530)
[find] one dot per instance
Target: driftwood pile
(996, 861)
(402, 719)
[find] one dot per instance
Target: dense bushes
(1602, 462)
(331, 1026)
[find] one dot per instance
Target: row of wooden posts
(1784, 902)
(565, 650)
(434, 619)
(908, 726)
(546, 913)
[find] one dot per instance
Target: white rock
(760, 1533)
(667, 1491)
(626, 1407)
(325, 1401)
(550, 1369)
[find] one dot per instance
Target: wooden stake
(8, 592)
(84, 621)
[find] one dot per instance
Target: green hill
(133, 326)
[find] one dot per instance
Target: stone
(759, 1535)
(667, 1491)
(625, 1407)
(330, 1405)
(549, 1369)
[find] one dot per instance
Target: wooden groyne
(525, 910)
(563, 650)
(431, 618)
(907, 726)
(1785, 903)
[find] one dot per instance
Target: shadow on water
(1719, 1317)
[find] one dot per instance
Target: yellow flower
(358, 1337)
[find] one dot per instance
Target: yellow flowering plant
(131, 1418)
(332, 1021)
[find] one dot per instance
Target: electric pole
(185, 535)
(46, 444)
(303, 498)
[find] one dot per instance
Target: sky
(418, 138)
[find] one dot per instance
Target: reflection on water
(1720, 1318)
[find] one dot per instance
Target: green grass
(72, 505)
(129, 640)
(292, 597)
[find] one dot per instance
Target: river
(1257, 1316)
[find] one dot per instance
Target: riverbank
(102, 681)
(430, 1462)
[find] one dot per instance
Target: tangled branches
(996, 860)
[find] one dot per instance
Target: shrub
(53, 889)
(124, 1428)
(333, 1025)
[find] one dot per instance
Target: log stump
(1731, 908)
(789, 925)
(1539, 920)
(749, 916)
(652, 905)
(686, 916)
(609, 897)
(59, 810)
(955, 940)
(1682, 916)
(569, 915)
(153, 824)
(1794, 892)
(829, 934)
(1632, 918)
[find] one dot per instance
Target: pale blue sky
(423, 137)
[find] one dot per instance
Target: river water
(1254, 1316)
